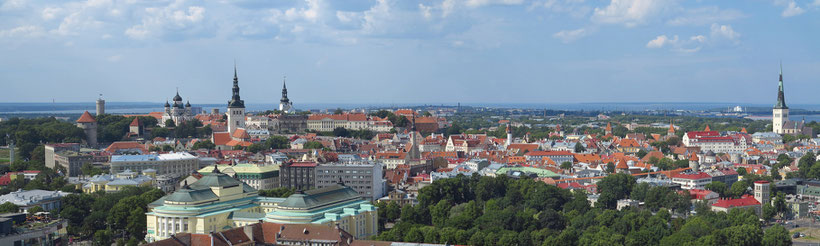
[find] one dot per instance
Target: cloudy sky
(402, 51)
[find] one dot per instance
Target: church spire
(236, 101)
(284, 90)
(781, 98)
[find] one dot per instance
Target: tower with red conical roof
(89, 126)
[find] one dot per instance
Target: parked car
(796, 235)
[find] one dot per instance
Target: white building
(25, 200)
(171, 164)
(178, 112)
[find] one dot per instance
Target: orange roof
(671, 127)
(522, 147)
(238, 142)
(86, 118)
(126, 145)
(628, 142)
(608, 127)
(347, 117)
(707, 129)
(621, 165)
(743, 130)
(405, 112)
(241, 134)
(656, 154)
(221, 138)
(135, 122)
(588, 158)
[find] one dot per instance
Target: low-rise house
(27, 199)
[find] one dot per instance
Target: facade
(746, 202)
(178, 112)
(285, 104)
(218, 202)
(715, 142)
(171, 164)
(762, 191)
(260, 177)
(89, 126)
(330, 206)
(117, 182)
(363, 176)
(690, 181)
(289, 123)
(236, 107)
(298, 175)
(267, 233)
(557, 156)
(51, 149)
(72, 161)
(27, 199)
(351, 121)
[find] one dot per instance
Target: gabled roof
(740, 202)
(86, 118)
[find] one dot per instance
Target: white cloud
(568, 36)
(724, 32)
(705, 16)
(720, 35)
(426, 11)
(575, 8)
(114, 58)
(660, 41)
(630, 12)
(479, 3)
(50, 13)
(13, 5)
(168, 22)
(792, 9)
(27, 31)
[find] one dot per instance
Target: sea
(760, 111)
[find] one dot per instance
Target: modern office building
(365, 177)
(298, 175)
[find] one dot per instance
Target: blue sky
(392, 51)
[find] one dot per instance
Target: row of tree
(106, 217)
(502, 211)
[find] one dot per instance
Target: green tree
(776, 236)
(9, 207)
(718, 187)
(170, 123)
(341, 132)
(256, 147)
(579, 148)
(278, 142)
(204, 144)
(35, 209)
(641, 153)
(160, 132)
(768, 212)
(393, 211)
(805, 164)
(102, 238)
(738, 189)
(613, 188)
(566, 165)
(313, 145)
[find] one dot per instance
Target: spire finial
(284, 82)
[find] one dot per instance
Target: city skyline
(403, 52)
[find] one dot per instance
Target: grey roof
(320, 197)
(31, 197)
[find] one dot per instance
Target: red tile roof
(135, 122)
(240, 134)
(221, 138)
(699, 175)
(126, 145)
(746, 201)
(86, 118)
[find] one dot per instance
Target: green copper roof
(209, 180)
(320, 197)
(191, 195)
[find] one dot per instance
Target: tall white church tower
(780, 112)
(236, 107)
(285, 104)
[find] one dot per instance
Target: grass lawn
(812, 234)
